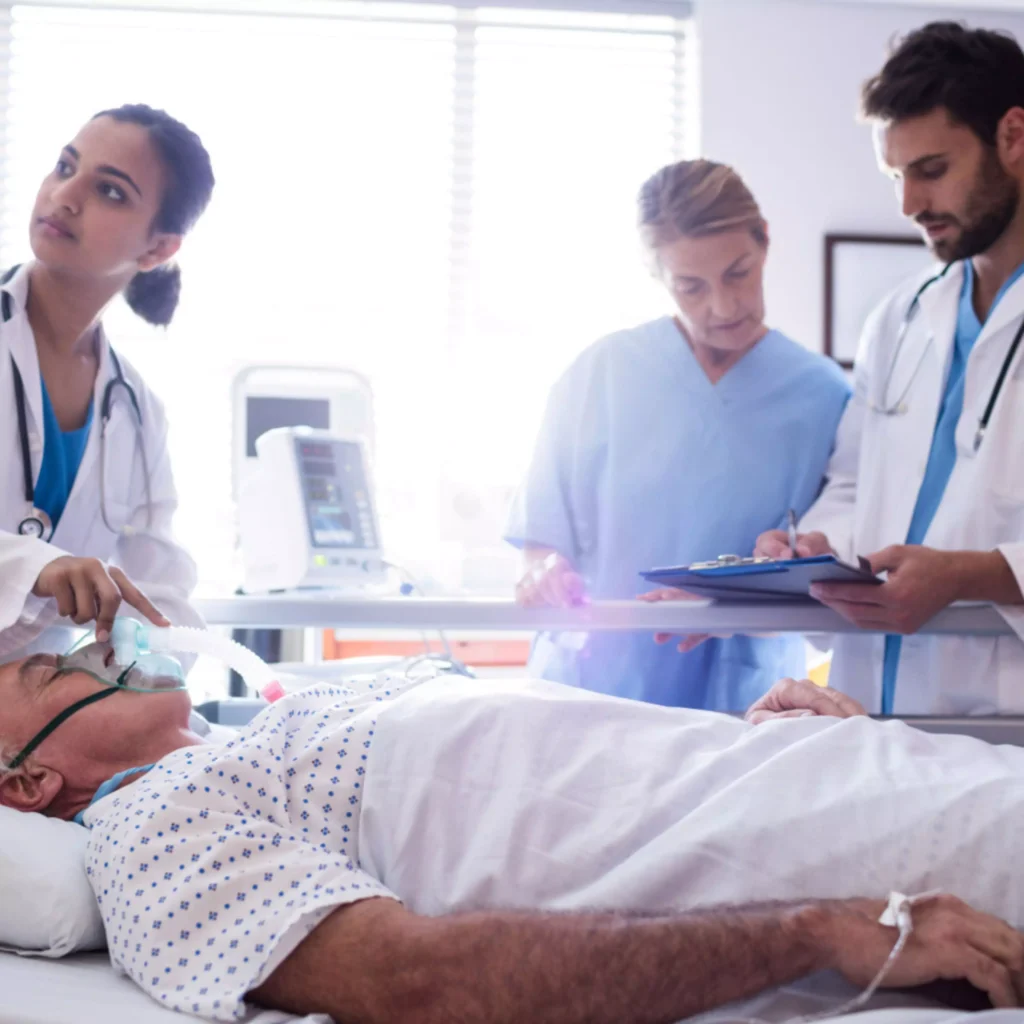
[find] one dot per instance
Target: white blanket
(532, 794)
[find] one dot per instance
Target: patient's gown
(643, 462)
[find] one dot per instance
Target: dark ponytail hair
(154, 294)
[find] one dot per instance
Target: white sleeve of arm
(23, 616)
(1014, 613)
(833, 514)
(147, 550)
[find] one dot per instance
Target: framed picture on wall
(860, 270)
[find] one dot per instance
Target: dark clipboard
(788, 580)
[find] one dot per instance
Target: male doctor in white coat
(927, 478)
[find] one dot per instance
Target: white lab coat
(875, 475)
(149, 555)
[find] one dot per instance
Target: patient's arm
(376, 961)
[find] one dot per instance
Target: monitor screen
(337, 495)
(263, 413)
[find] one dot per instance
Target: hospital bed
(995, 729)
(85, 989)
(315, 609)
(78, 989)
(323, 610)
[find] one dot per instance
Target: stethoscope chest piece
(899, 409)
(36, 524)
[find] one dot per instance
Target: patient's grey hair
(694, 198)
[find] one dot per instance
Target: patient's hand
(800, 698)
(950, 941)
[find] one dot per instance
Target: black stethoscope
(899, 407)
(36, 523)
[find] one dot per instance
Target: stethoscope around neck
(36, 523)
(899, 407)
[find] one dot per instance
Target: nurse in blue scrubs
(674, 442)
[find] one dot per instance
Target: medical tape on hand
(898, 913)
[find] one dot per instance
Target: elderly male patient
(458, 850)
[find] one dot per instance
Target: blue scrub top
(642, 462)
(62, 455)
(942, 457)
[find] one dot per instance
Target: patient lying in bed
(467, 851)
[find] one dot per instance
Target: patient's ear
(31, 787)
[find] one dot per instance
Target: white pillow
(47, 907)
(46, 903)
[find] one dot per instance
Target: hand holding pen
(783, 545)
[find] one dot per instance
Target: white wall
(779, 86)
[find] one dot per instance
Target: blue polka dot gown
(212, 867)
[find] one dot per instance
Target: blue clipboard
(749, 580)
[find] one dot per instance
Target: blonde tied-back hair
(694, 198)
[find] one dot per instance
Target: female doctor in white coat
(86, 491)
(927, 479)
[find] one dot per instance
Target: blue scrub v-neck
(62, 457)
(753, 370)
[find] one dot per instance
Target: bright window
(439, 197)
